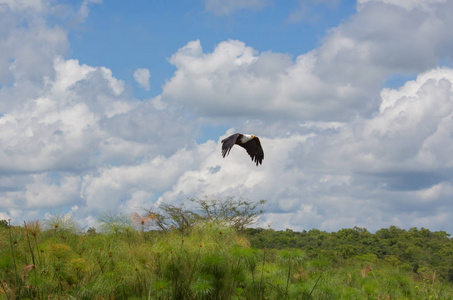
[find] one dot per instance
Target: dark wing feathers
(253, 147)
(228, 143)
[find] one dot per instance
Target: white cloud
(330, 83)
(115, 185)
(414, 121)
(39, 193)
(18, 5)
(83, 118)
(84, 9)
(408, 4)
(142, 78)
(226, 7)
(234, 80)
(4, 216)
(63, 122)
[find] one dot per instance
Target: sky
(121, 105)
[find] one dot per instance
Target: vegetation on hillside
(416, 250)
(214, 259)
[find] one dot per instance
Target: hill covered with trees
(414, 249)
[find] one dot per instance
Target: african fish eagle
(249, 142)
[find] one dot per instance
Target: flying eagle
(249, 142)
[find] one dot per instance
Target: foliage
(413, 249)
(59, 222)
(174, 217)
(3, 223)
(215, 261)
(115, 222)
(235, 212)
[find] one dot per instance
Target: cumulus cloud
(62, 122)
(337, 81)
(236, 80)
(398, 158)
(142, 78)
(226, 7)
(132, 186)
(60, 128)
(22, 5)
(81, 121)
(409, 134)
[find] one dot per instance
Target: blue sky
(130, 35)
(115, 105)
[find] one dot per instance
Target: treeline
(414, 249)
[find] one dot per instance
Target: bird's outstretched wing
(255, 150)
(228, 143)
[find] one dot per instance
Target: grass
(55, 261)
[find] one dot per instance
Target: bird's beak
(253, 136)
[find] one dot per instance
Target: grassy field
(212, 262)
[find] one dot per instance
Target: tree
(236, 212)
(173, 217)
(3, 224)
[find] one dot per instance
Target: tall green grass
(213, 261)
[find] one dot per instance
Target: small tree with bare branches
(236, 212)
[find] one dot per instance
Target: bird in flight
(249, 142)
